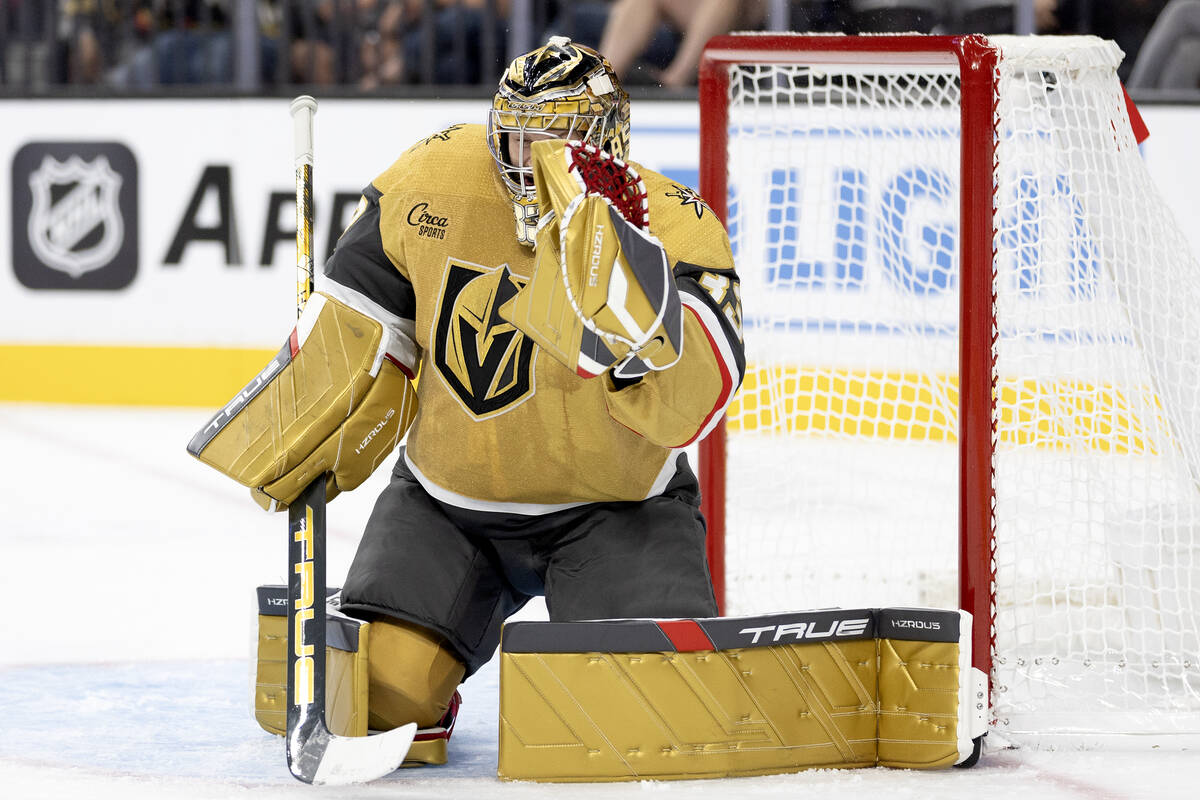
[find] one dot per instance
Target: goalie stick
(315, 755)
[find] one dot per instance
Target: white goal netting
(843, 472)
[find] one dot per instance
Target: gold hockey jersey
(502, 426)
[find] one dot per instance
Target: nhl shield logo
(74, 215)
(75, 224)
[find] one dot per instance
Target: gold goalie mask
(602, 295)
(562, 90)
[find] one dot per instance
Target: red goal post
(977, 64)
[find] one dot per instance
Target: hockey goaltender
(562, 369)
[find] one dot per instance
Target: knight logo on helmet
(562, 90)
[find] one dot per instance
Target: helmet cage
(506, 124)
(561, 90)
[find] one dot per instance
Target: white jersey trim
(669, 467)
(528, 509)
(308, 318)
(724, 353)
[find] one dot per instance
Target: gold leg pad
(658, 716)
(430, 753)
(345, 680)
(270, 682)
(412, 675)
(918, 704)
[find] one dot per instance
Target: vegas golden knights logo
(485, 360)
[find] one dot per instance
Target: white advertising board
(171, 222)
(166, 227)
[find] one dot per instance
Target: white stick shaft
(304, 108)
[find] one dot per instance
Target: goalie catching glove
(602, 294)
(334, 400)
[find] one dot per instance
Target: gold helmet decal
(561, 89)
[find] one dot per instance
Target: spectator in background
(453, 45)
(85, 30)
(325, 38)
(1169, 57)
(895, 16)
(381, 51)
(998, 16)
(583, 22)
(187, 42)
(1127, 23)
(1045, 15)
(632, 24)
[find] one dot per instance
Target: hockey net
(972, 333)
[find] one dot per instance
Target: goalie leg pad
(429, 745)
(918, 703)
(620, 700)
(640, 699)
(346, 683)
(413, 675)
(932, 702)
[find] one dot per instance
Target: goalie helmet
(561, 89)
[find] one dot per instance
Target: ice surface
(124, 669)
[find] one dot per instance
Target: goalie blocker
(335, 400)
(623, 700)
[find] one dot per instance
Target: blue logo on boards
(918, 251)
